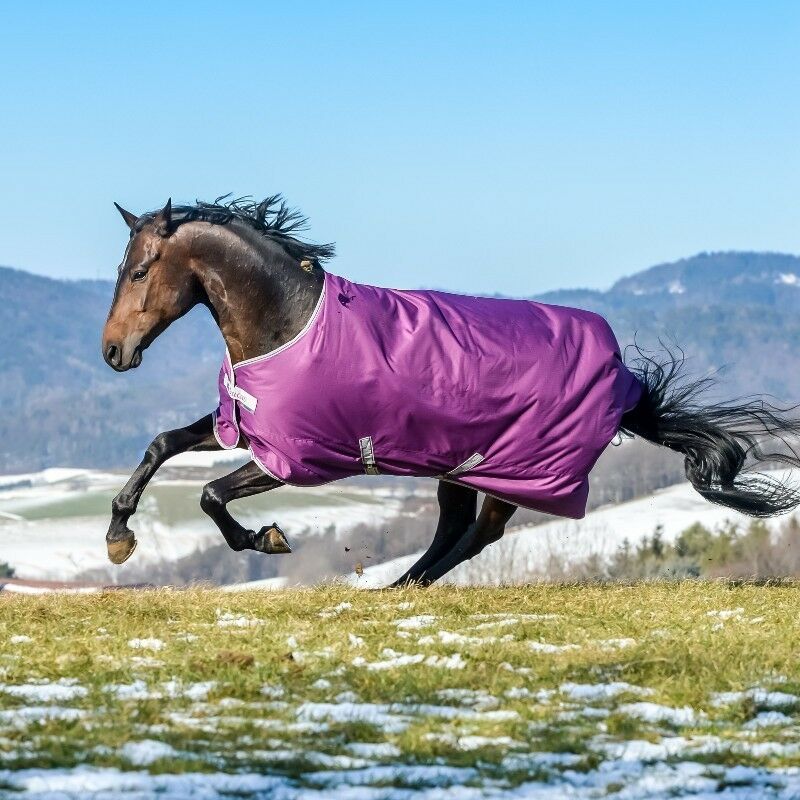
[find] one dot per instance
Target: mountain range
(736, 312)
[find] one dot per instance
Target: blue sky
(479, 147)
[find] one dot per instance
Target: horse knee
(158, 448)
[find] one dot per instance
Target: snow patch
(446, 662)
(653, 712)
(146, 752)
(392, 659)
(761, 697)
(545, 647)
(137, 690)
(468, 743)
(60, 691)
(373, 749)
(768, 719)
(146, 644)
(726, 613)
(423, 775)
(228, 620)
(19, 717)
(446, 637)
(475, 698)
(327, 613)
(191, 691)
(592, 692)
(615, 644)
(420, 621)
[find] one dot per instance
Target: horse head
(154, 288)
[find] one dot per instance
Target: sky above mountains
(477, 147)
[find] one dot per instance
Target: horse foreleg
(244, 482)
(457, 509)
(120, 541)
(488, 528)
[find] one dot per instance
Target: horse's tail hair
(716, 438)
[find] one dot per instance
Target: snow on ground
(210, 458)
(761, 697)
(44, 692)
(146, 644)
(593, 692)
(527, 551)
(634, 775)
(281, 745)
(653, 712)
(393, 659)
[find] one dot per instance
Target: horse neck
(259, 296)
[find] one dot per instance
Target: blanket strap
(368, 455)
(471, 462)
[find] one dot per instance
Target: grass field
(654, 690)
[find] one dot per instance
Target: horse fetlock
(120, 548)
(122, 507)
(272, 540)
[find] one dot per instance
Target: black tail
(716, 438)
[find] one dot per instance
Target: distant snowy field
(53, 523)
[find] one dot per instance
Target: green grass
(301, 649)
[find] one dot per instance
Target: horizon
(513, 152)
(598, 289)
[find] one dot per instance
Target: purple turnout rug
(513, 398)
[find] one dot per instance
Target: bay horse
(325, 378)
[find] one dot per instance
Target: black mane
(272, 217)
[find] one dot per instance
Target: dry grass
(241, 668)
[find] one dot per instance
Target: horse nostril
(113, 355)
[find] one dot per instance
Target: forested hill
(62, 405)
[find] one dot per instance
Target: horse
(319, 382)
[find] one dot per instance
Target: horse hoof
(120, 551)
(272, 540)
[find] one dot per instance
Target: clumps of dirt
(225, 658)
(236, 658)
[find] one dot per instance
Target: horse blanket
(514, 398)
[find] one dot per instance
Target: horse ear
(163, 220)
(130, 219)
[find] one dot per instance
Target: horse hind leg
(489, 527)
(458, 507)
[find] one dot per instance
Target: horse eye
(139, 275)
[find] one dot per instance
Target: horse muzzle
(118, 359)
